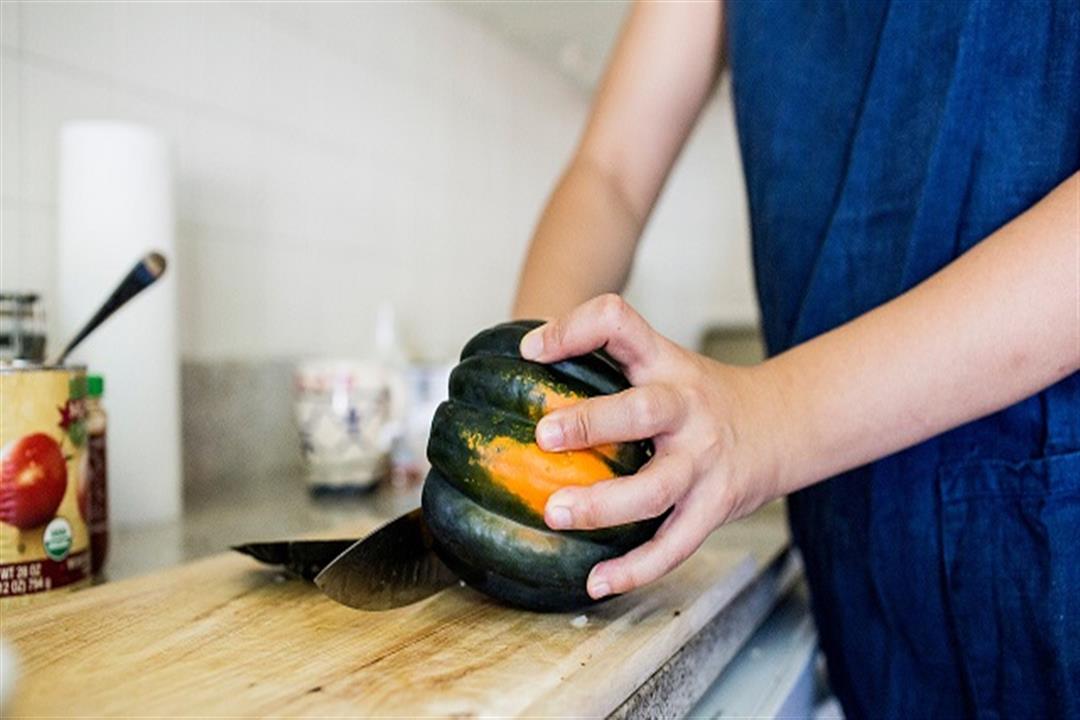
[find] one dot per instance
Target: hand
(713, 427)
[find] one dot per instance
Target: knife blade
(305, 558)
(394, 566)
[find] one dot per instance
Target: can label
(44, 542)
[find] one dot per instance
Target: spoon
(142, 276)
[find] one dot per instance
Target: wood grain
(224, 637)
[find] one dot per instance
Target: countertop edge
(677, 686)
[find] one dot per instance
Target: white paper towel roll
(115, 204)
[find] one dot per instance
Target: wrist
(775, 429)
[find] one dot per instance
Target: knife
(305, 558)
(394, 566)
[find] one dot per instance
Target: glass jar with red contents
(96, 475)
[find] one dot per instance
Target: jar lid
(19, 296)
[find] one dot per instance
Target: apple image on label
(33, 478)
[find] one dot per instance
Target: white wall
(332, 155)
(693, 267)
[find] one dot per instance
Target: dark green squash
(484, 497)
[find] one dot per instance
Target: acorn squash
(484, 497)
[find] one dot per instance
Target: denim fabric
(880, 140)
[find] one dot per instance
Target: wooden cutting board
(224, 636)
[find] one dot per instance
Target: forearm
(999, 324)
(583, 245)
(664, 66)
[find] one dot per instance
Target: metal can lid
(20, 365)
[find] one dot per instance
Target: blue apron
(881, 140)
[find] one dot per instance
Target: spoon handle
(142, 276)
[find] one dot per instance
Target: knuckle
(656, 485)
(678, 401)
(649, 409)
(580, 428)
(713, 452)
(726, 502)
(684, 550)
(708, 455)
(613, 310)
(628, 576)
(554, 333)
(679, 554)
(675, 552)
(643, 498)
(590, 509)
(669, 485)
(690, 397)
(659, 495)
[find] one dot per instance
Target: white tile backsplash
(84, 36)
(10, 23)
(222, 175)
(158, 45)
(12, 274)
(224, 302)
(50, 96)
(10, 126)
(29, 254)
(334, 155)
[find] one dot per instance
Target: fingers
(680, 535)
(650, 492)
(635, 414)
(649, 409)
(606, 322)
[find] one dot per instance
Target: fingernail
(532, 344)
(549, 435)
(559, 517)
(599, 589)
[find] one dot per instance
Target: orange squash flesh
(532, 475)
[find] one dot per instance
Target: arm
(998, 324)
(663, 68)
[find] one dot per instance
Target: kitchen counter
(275, 505)
(674, 667)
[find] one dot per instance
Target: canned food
(44, 542)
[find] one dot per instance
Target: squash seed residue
(580, 621)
